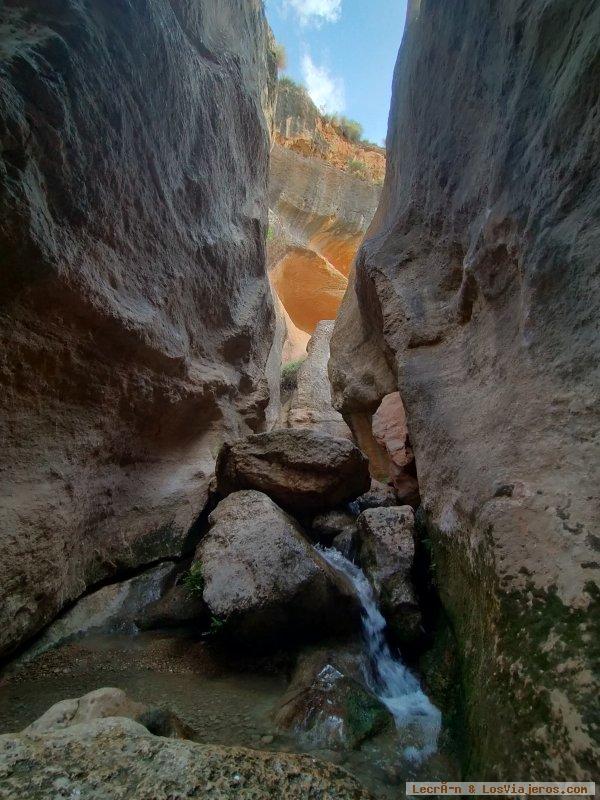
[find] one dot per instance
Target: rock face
(109, 702)
(323, 191)
(133, 182)
(386, 552)
(263, 578)
(303, 471)
(310, 405)
(391, 432)
(117, 758)
(111, 609)
(478, 286)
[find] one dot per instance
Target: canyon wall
(476, 294)
(319, 207)
(136, 317)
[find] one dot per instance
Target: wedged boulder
(119, 758)
(386, 553)
(264, 580)
(303, 471)
(326, 527)
(328, 706)
(109, 702)
(378, 496)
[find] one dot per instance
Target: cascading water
(387, 677)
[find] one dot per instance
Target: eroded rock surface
(310, 405)
(118, 759)
(302, 470)
(391, 432)
(133, 192)
(477, 290)
(264, 580)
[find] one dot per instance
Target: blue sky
(344, 52)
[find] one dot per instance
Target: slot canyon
(300, 465)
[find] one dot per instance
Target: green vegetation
(193, 580)
(358, 168)
(270, 233)
(289, 375)
(280, 56)
(215, 625)
(285, 82)
(349, 128)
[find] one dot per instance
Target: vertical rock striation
(135, 314)
(476, 295)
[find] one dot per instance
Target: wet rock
(386, 553)
(116, 757)
(303, 471)
(345, 543)
(136, 310)
(326, 527)
(263, 578)
(111, 609)
(109, 702)
(378, 496)
(328, 706)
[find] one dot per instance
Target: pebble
(268, 739)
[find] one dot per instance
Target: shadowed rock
(264, 581)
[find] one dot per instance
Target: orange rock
(310, 288)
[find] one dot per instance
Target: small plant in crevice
(289, 375)
(193, 580)
(215, 625)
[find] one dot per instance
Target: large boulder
(264, 580)
(303, 471)
(136, 311)
(109, 702)
(327, 704)
(118, 758)
(386, 553)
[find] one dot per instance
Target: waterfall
(392, 682)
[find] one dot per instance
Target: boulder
(264, 580)
(345, 543)
(114, 758)
(109, 702)
(328, 706)
(378, 496)
(303, 471)
(386, 553)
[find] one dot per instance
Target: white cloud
(325, 89)
(316, 11)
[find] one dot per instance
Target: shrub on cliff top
(280, 55)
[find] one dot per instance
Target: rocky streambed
(269, 637)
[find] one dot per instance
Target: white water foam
(392, 682)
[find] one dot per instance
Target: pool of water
(225, 702)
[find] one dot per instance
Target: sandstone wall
(135, 313)
(477, 295)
